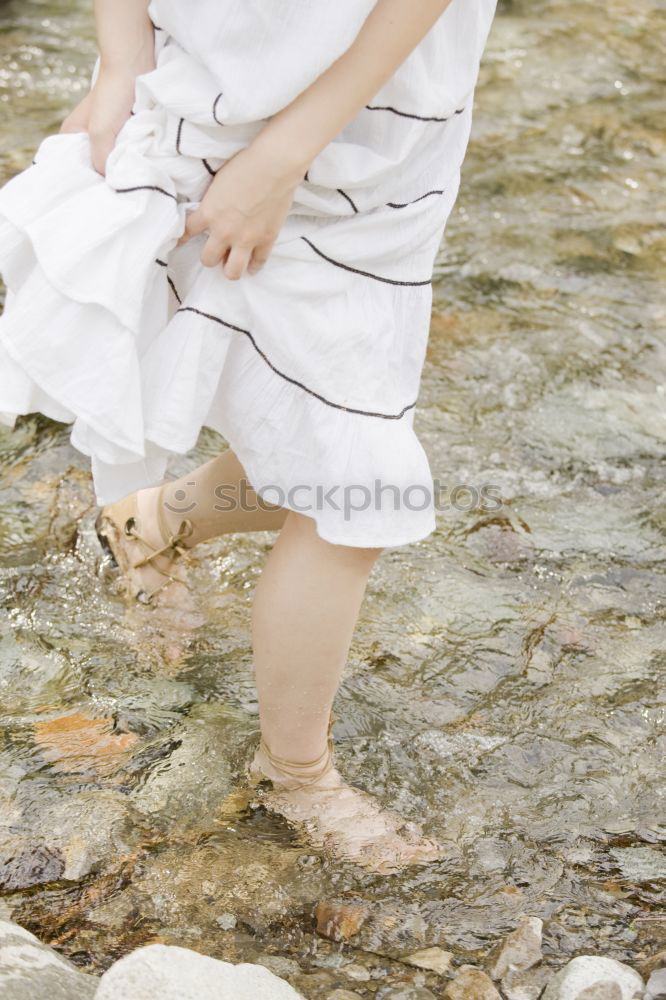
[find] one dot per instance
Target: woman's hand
(103, 112)
(126, 41)
(244, 208)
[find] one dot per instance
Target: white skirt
(310, 368)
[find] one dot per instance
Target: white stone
(357, 972)
(656, 986)
(165, 972)
(30, 969)
(591, 970)
(433, 959)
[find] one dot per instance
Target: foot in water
(344, 821)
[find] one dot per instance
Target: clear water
(506, 683)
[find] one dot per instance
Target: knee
(305, 526)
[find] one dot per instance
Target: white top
(262, 53)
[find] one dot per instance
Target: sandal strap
(294, 769)
(173, 540)
(185, 529)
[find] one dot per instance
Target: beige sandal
(119, 530)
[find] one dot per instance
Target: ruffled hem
(97, 334)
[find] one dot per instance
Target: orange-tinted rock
(339, 921)
(82, 744)
(471, 984)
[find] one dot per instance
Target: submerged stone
(640, 864)
(340, 921)
(29, 867)
(79, 743)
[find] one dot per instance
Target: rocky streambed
(30, 970)
(506, 682)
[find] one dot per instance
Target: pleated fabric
(311, 368)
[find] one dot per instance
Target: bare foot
(345, 821)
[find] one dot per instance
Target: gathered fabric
(311, 368)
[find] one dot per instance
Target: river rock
(279, 965)
(471, 984)
(67, 837)
(406, 993)
(395, 929)
(78, 743)
(525, 984)
(247, 877)
(602, 991)
(343, 995)
(433, 959)
(163, 972)
(654, 962)
(89, 828)
(586, 972)
(23, 866)
(521, 949)
(656, 986)
(31, 970)
(640, 864)
(28, 675)
(190, 786)
(357, 972)
(339, 921)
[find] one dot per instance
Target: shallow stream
(506, 683)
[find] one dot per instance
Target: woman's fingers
(214, 252)
(195, 223)
(260, 255)
(220, 248)
(237, 261)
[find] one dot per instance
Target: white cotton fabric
(311, 368)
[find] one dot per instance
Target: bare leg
(305, 609)
(218, 500)
(215, 498)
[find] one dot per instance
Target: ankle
(293, 776)
(186, 500)
(175, 507)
